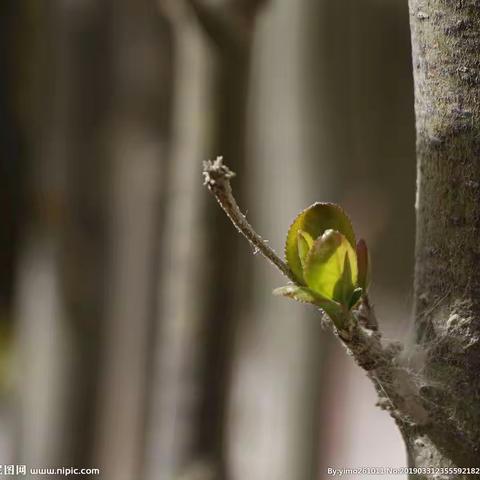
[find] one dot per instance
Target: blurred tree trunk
(227, 275)
(137, 144)
(173, 397)
(13, 165)
(446, 45)
(12, 151)
(280, 348)
(101, 131)
(201, 283)
(62, 274)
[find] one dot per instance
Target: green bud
(314, 221)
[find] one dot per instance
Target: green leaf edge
(305, 295)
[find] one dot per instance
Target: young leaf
(305, 243)
(364, 265)
(343, 289)
(305, 295)
(300, 294)
(314, 221)
(331, 267)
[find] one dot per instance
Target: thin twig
(217, 179)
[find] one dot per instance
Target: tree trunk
(446, 61)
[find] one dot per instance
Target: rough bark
(446, 61)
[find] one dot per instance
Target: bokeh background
(138, 333)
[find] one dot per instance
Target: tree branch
(397, 388)
(217, 179)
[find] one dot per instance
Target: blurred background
(138, 333)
